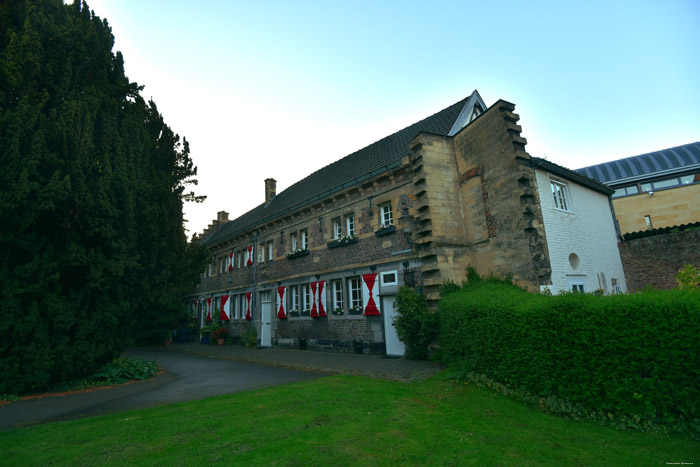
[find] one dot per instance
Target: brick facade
(654, 261)
(461, 192)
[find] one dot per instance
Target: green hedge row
(624, 355)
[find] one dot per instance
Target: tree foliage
(92, 248)
(416, 325)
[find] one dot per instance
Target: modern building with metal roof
(657, 189)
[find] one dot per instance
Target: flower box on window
(296, 254)
(338, 312)
(347, 240)
(385, 230)
(305, 313)
(294, 313)
(355, 311)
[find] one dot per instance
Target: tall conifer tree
(92, 247)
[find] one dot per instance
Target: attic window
(476, 111)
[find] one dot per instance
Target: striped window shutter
(225, 308)
(370, 293)
(248, 299)
(249, 256)
(318, 290)
(281, 302)
(230, 261)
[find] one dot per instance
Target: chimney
(270, 190)
(222, 216)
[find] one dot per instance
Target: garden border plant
(629, 360)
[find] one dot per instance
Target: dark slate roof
(645, 166)
(660, 231)
(538, 163)
(372, 160)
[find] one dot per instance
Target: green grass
(341, 420)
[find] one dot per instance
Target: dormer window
(476, 111)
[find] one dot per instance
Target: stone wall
(655, 261)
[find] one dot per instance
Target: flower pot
(220, 341)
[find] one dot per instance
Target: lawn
(341, 420)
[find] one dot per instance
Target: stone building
(654, 190)
(318, 265)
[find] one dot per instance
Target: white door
(265, 320)
(393, 345)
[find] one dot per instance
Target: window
(389, 278)
(577, 284)
(304, 241)
(385, 217)
(261, 247)
(559, 192)
(355, 289)
(270, 250)
(350, 225)
(234, 307)
(337, 231)
(647, 220)
(243, 306)
(265, 296)
(306, 297)
(294, 298)
(240, 256)
(338, 294)
(293, 236)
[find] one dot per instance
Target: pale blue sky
(280, 89)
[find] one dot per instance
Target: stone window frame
(338, 289)
(293, 298)
(386, 214)
(336, 228)
(350, 229)
(305, 296)
(355, 293)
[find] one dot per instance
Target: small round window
(574, 261)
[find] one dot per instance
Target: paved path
(195, 371)
(376, 366)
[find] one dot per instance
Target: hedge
(634, 356)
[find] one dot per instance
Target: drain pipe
(255, 272)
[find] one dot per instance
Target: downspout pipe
(255, 271)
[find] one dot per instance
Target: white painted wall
(587, 230)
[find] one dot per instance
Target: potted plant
(355, 310)
(219, 335)
(385, 229)
(305, 313)
(338, 311)
(205, 335)
(294, 313)
(296, 254)
(347, 240)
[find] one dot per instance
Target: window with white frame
(234, 306)
(293, 237)
(338, 294)
(306, 297)
(355, 293)
(304, 239)
(560, 194)
(350, 225)
(294, 298)
(337, 229)
(261, 247)
(577, 284)
(240, 257)
(265, 296)
(270, 250)
(243, 306)
(389, 278)
(385, 216)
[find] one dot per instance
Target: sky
(280, 89)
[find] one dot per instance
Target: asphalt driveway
(186, 377)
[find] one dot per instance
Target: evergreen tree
(92, 247)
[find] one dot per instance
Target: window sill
(297, 254)
(385, 231)
(338, 243)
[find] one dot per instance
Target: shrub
(250, 339)
(631, 356)
(416, 326)
(688, 277)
